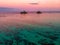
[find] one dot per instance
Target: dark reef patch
(29, 36)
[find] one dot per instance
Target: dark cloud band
(33, 3)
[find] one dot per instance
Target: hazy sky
(31, 4)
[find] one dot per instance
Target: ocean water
(30, 29)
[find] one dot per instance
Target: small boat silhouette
(23, 12)
(38, 12)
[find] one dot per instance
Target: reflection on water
(29, 18)
(30, 29)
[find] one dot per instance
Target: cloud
(34, 3)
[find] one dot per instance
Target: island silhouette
(25, 12)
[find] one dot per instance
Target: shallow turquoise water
(43, 29)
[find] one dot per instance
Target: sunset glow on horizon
(27, 4)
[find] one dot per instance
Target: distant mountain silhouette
(7, 9)
(4, 9)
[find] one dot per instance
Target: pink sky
(25, 4)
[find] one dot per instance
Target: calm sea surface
(30, 29)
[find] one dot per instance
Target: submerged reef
(29, 35)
